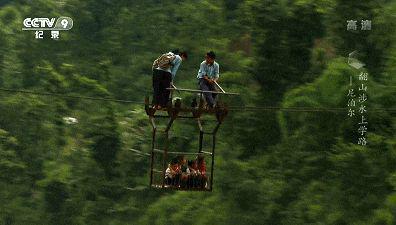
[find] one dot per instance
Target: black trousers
(161, 81)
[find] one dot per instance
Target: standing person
(208, 74)
(164, 71)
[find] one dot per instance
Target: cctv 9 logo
(62, 23)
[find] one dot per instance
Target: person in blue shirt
(208, 74)
(164, 71)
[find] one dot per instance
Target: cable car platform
(161, 167)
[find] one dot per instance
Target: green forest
(272, 166)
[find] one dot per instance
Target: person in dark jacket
(164, 71)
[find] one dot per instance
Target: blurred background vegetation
(272, 167)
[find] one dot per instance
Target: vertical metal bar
(152, 157)
(213, 153)
(152, 149)
(200, 141)
(199, 124)
(153, 122)
(212, 168)
(216, 128)
(165, 157)
(169, 124)
(201, 100)
(171, 87)
(201, 133)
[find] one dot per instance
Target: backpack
(164, 61)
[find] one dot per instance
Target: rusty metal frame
(173, 114)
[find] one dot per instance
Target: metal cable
(231, 108)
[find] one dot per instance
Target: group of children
(186, 174)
